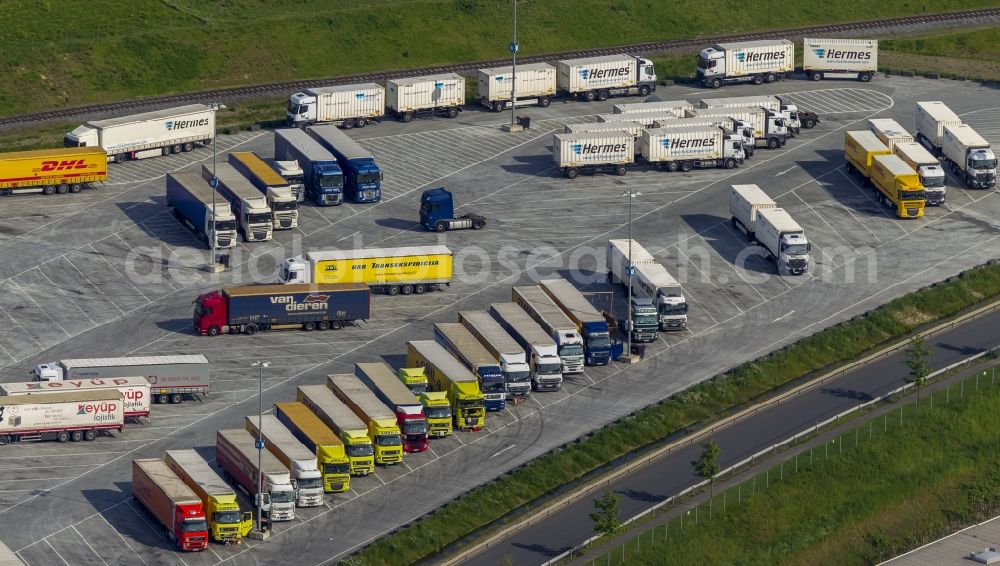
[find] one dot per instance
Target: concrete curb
(604, 481)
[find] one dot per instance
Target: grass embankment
(967, 53)
(700, 404)
(913, 483)
(57, 54)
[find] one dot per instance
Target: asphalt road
(673, 473)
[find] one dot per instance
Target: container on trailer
(51, 171)
(840, 56)
(970, 156)
(593, 151)
(745, 61)
(784, 240)
(535, 84)
(673, 106)
(349, 106)
(599, 77)
(932, 117)
(745, 201)
(889, 132)
(690, 143)
(411, 96)
(646, 119)
(634, 129)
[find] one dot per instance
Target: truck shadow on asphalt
(127, 516)
(157, 221)
(538, 165)
(404, 224)
(178, 325)
(848, 190)
(848, 394)
(395, 361)
(729, 243)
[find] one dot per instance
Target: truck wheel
(808, 123)
(602, 95)
(360, 123)
(347, 124)
(865, 77)
(406, 289)
(544, 101)
(589, 96)
(571, 173)
(815, 76)
(671, 166)
(63, 436)
(75, 188)
(62, 189)
(176, 399)
(644, 90)
(250, 329)
(322, 325)
(213, 331)
(89, 435)
(177, 148)
(770, 78)
(406, 117)
(393, 290)
(478, 223)
(715, 83)
(440, 226)
(309, 326)
(758, 79)
(498, 107)
(685, 166)
(120, 158)
(419, 289)
(163, 399)
(453, 112)
(76, 436)
(48, 190)
(620, 170)
(773, 143)
(188, 146)
(4, 439)
(730, 163)
(336, 324)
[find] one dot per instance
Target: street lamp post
(514, 47)
(631, 271)
(214, 183)
(260, 365)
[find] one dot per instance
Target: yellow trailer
(52, 170)
(859, 149)
(393, 271)
(898, 186)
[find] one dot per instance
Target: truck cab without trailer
(409, 412)
(382, 427)
(448, 375)
(342, 420)
(362, 176)
(461, 344)
(437, 213)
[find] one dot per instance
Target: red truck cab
(210, 313)
(413, 424)
(191, 528)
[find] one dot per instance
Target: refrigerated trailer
(134, 390)
(160, 132)
(535, 85)
(824, 58)
(74, 415)
(51, 171)
(170, 377)
(694, 147)
(347, 106)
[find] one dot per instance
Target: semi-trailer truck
(282, 201)
(392, 271)
(889, 132)
(74, 415)
(254, 308)
(211, 219)
(593, 152)
(553, 320)
(448, 375)
(322, 176)
(597, 78)
(623, 257)
(735, 127)
(513, 363)
(745, 204)
(535, 82)
(347, 106)
(51, 171)
(928, 168)
(634, 129)
(253, 215)
(226, 522)
(268, 486)
(342, 420)
(293, 174)
(589, 321)
(160, 132)
(824, 58)
(171, 503)
(301, 461)
(651, 281)
(673, 106)
(331, 455)
(860, 148)
(134, 390)
(540, 349)
(767, 127)
(695, 147)
(932, 117)
(434, 95)
(381, 421)
(465, 348)
(410, 418)
(784, 240)
(362, 176)
(756, 62)
(897, 185)
(170, 378)
(794, 118)
(970, 156)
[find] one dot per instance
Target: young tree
(707, 467)
(917, 359)
(605, 515)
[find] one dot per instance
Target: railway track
(282, 88)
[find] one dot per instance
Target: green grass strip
(840, 343)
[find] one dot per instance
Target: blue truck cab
(494, 387)
(324, 178)
(362, 176)
(437, 212)
(597, 343)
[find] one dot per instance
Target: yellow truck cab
(342, 420)
(381, 422)
(437, 409)
(898, 186)
(448, 375)
(388, 440)
(331, 455)
(414, 378)
(226, 523)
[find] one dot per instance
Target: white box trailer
(134, 390)
(289, 450)
(598, 78)
(823, 58)
(653, 106)
(646, 119)
(592, 152)
(543, 310)
(766, 126)
(651, 280)
(736, 127)
(72, 415)
(271, 483)
(970, 156)
(927, 167)
(535, 85)
(348, 106)
(889, 131)
(254, 218)
(745, 201)
(170, 377)
(784, 240)
(149, 134)
(758, 62)
(434, 95)
(932, 117)
(513, 362)
(634, 129)
(700, 147)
